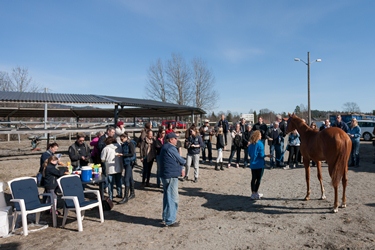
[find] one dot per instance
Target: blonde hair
(354, 123)
(255, 136)
(220, 131)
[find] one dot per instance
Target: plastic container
(86, 174)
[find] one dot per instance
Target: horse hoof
(343, 206)
(307, 198)
(323, 197)
(335, 210)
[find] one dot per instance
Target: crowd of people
(116, 152)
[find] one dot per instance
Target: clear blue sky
(105, 47)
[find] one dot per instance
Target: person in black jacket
(223, 123)
(262, 127)
(274, 141)
(245, 144)
(50, 174)
(340, 124)
(129, 156)
(79, 152)
(220, 144)
(159, 142)
(282, 126)
(195, 143)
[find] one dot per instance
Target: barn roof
(127, 107)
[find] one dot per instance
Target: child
(50, 174)
(256, 153)
(219, 146)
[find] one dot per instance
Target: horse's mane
(299, 122)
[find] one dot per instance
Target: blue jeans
(246, 160)
(275, 148)
(282, 149)
(104, 175)
(170, 200)
(354, 155)
(236, 150)
(112, 179)
(128, 177)
(208, 146)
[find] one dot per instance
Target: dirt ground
(215, 213)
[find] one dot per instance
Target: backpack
(237, 141)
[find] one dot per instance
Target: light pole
(308, 82)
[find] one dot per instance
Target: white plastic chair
(73, 194)
(26, 201)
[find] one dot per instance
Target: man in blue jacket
(171, 167)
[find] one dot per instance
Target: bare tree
(19, 80)
(157, 88)
(178, 74)
(204, 85)
(351, 107)
(301, 111)
(268, 115)
(5, 82)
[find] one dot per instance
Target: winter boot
(216, 166)
(132, 194)
(221, 166)
(125, 196)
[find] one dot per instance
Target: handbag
(187, 144)
(107, 204)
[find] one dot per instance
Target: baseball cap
(171, 135)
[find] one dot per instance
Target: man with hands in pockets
(171, 168)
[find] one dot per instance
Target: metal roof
(35, 97)
(137, 107)
(93, 113)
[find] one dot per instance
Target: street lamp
(308, 82)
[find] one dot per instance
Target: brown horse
(332, 145)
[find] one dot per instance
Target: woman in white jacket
(112, 156)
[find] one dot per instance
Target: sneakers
(228, 165)
(195, 180)
(287, 167)
(256, 196)
(237, 165)
(253, 197)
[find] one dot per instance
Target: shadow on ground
(228, 202)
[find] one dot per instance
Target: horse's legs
(306, 163)
(320, 178)
(344, 183)
(336, 203)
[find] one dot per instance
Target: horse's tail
(341, 164)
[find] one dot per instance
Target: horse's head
(293, 122)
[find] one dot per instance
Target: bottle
(70, 167)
